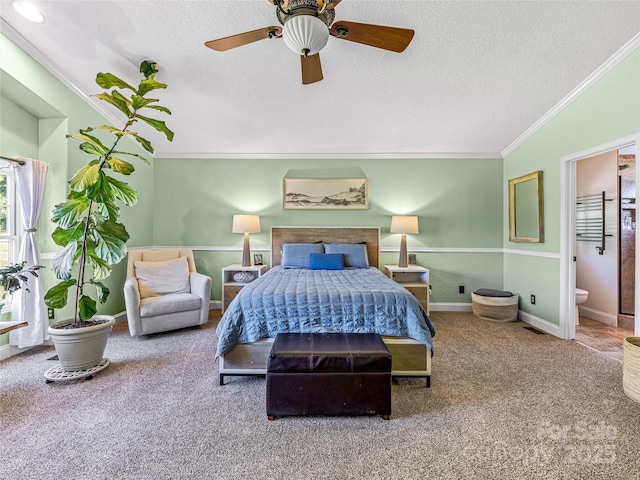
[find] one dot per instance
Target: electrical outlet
(461, 289)
(50, 313)
(533, 299)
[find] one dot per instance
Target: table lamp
(246, 224)
(404, 224)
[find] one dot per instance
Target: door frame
(568, 231)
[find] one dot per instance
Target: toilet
(581, 297)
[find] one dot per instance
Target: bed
(300, 299)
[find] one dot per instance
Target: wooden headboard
(368, 235)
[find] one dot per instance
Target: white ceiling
(476, 76)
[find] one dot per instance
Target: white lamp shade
(404, 224)
(305, 32)
(246, 224)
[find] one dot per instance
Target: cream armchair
(164, 292)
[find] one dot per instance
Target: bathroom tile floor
(602, 337)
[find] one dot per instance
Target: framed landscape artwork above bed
(325, 193)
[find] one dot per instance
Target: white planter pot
(81, 348)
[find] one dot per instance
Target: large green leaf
(109, 247)
(115, 131)
(141, 157)
(148, 68)
(101, 290)
(120, 166)
(159, 107)
(85, 177)
(114, 229)
(120, 98)
(101, 269)
(62, 236)
(138, 102)
(146, 144)
(62, 261)
(86, 307)
(116, 102)
(68, 213)
(83, 135)
(92, 149)
(108, 210)
(100, 191)
(57, 296)
(158, 125)
(109, 80)
(148, 85)
(123, 191)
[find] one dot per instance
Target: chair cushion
(162, 278)
(489, 292)
(171, 303)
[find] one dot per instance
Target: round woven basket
(631, 368)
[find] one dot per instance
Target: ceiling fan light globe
(305, 33)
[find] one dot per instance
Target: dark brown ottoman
(329, 374)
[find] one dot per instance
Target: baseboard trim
(7, 351)
(540, 323)
(449, 307)
(598, 316)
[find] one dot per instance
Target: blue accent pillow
(296, 255)
(326, 261)
(355, 254)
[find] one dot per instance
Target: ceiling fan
(306, 27)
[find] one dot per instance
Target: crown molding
(627, 49)
(319, 156)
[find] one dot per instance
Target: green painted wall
(458, 201)
(60, 111)
(607, 111)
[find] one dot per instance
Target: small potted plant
(15, 277)
(88, 229)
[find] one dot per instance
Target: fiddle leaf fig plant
(88, 228)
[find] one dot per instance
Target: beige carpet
(505, 403)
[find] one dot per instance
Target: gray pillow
(355, 254)
(298, 255)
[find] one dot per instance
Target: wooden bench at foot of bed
(409, 358)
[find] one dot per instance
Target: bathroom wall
(598, 274)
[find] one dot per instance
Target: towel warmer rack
(591, 219)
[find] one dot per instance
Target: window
(10, 226)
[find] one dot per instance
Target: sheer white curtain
(29, 306)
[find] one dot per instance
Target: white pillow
(161, 278)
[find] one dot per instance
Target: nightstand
(414, 278)
(230, 287)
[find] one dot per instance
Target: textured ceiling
(476, 76)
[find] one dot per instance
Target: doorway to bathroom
(598, 240)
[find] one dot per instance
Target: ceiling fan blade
(387, 38)
(227, 43)
(311, 69)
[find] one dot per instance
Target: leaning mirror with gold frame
(526, 208)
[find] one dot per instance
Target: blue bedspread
(299, 300)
